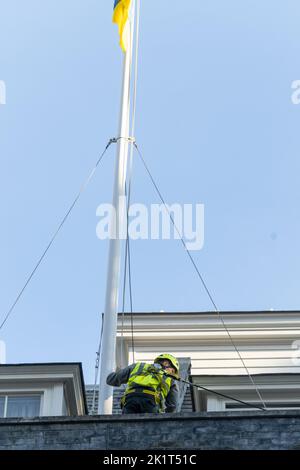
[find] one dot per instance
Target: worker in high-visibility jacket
(151, 388)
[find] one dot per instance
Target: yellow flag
(120, 17)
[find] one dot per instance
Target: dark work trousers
(139, 403)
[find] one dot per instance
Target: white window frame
(268, 404)
(20, 394)
(51, 396)
(220, 404)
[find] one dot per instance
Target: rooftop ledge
(193, 416)
(245, 430)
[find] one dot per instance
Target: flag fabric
(120, 17)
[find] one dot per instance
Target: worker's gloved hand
(156, 368)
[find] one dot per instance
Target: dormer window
(38, 390)
(17, 406)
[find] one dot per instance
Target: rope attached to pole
(226, 396)
(250, 405)
(127, 263)
(98, 353)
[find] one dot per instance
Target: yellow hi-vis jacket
(146, 379)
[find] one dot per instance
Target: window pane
(2, 403)
(23, 407)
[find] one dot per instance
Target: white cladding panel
(267, 342)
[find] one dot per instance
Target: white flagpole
(107, 363)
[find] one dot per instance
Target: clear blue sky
(217, 126)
